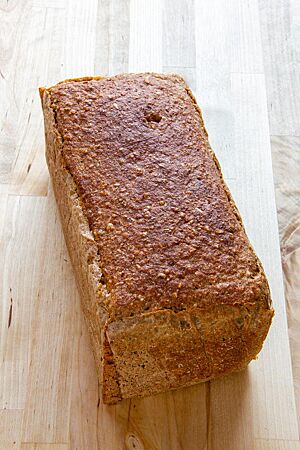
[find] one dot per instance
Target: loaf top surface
(168, 233)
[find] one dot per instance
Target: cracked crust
(171, 289)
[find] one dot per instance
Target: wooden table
(48, 388)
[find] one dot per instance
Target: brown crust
(172, 265)
(79, 239)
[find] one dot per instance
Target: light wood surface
(49, 397)
(280, 31)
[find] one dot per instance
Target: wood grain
(41, 446)
(286, 159)
(178, 35)
(267, 444)
(145, 43)
(47, 373)
(79, 38)
(280, 25)
(84, 391)
(10, 428)
(47, 408)
(112, 37)
(280, 22)
(214, 65)
(252, 112)
(20, 250)
(21, 144)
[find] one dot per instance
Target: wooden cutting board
(48, 388)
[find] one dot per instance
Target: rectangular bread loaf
(172, 291)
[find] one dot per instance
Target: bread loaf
(172, 291)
